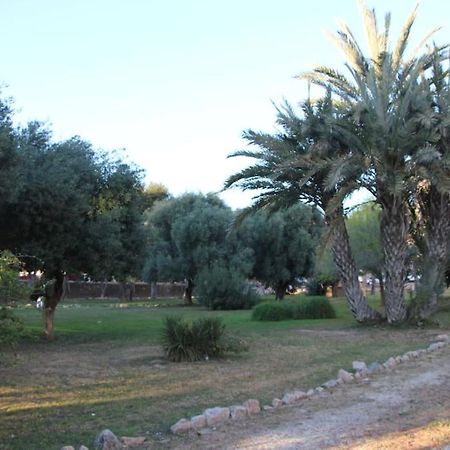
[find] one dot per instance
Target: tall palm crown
(295, 165)
(387, 93)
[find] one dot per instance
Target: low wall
(94, 289)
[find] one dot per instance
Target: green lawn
(106, 369)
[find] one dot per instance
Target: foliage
(11, 330)
(283, 244)
(364, 231)
(196, 340)
(187, 235)
(11, 289)
(221, 287)
(311, 307)
(272, 311)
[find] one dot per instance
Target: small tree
(283, 245)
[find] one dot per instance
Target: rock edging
(212, 417)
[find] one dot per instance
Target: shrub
(11, 330)
(272, 311)
(197, 340)
(11, 289)
(313, 308)
(304, 308)
(220, 287)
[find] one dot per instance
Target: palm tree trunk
(436, 209)
(394, 228)
(343, 259)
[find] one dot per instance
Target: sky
(176, 82)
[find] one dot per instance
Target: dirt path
(405, 408)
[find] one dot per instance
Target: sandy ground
(404, 408)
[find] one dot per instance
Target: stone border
(212, 417)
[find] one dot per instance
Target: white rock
(443, 337)
(390, 363)
(277, 403)
(267, 408)
(83, 447)
(289, 398)
(216, 416)
(181, 427)
(107, 440)
(310, 393)
(252, 405)
(238, 412)
(345, 376)
(198, 422)
(435, 346)
(67, 447)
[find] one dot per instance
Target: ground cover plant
(106, 368)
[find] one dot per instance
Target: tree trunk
(436, 211)
(53, 293)
(188, 292)
(394, 227)
(343, 259)
(153, 290)
(103, 287)
(280, 291)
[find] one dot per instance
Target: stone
(330, 384)
(238, 412)
(198, 422)
(345, 376)
(375, 367)
(310, 393)
(83, 447)
(390, 363)
(404, 358)
(253, 406)
(107, 440)
(443, 337)
(359, 365)
(288, 398)
(319, 389)
(267, 408)
(181, 427)
(67, 447)
(131, 442)
(435, 346)
(357, 375)
(216, 416)
(277, 403)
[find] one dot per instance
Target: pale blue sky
(175, 82)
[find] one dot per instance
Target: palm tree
(432, 195)
(293, 166)
(384, 92)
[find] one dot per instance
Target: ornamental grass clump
(200, 339)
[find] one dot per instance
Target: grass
(106, 368)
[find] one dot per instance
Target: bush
(272, 311)
(313, 308)
(304, 308)
(11, 330)
(220, 287)
(197, 340)
(11, 289)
